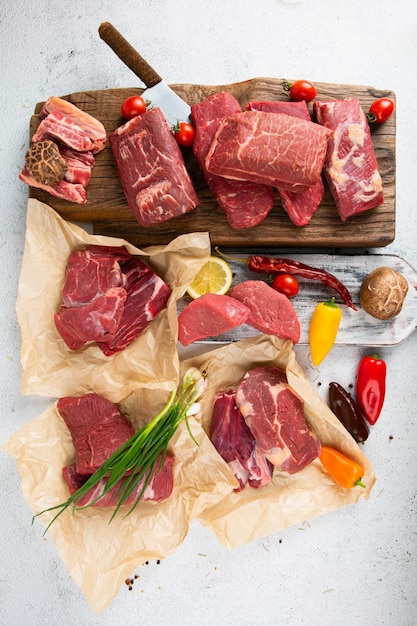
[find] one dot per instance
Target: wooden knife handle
(128, 54)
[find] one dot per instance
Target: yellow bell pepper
(324, 326)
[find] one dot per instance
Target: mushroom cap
(45, 163)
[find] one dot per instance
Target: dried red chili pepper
(272, 265)
(370, 386)
(348, 412)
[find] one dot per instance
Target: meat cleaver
(157, 92)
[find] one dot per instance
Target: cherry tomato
(133, 106)
(286, 284)
(302, 90)
(381, 109)
(184, 133)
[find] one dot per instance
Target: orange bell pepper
(341, 468)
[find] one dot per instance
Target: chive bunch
(138, 457)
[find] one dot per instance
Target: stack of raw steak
(78, 137)
(261, 425)
(98, 428)
(109, 297)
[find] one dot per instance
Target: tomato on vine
(184, 133)
(302, 90)
(380, 110)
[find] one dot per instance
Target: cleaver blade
(158, 93)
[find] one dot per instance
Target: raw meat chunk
(275, 416)
(245, 204)
(270, 148)
(208, 316)
(108, 297)
(161, 484)
(89, 124)
(235, 443)
(57, 126)
(97, 427)
(64, 189)
(151, 169)
(146, 295)
(301, 206)
(270, 311)
(351, 167)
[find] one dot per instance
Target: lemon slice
(214, 277)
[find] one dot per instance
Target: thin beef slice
(300, 207)
(245, 204)
(208, 316)
(235, 443)
(275, 416)
(269, 148)
(351, 168)
(151, 169)
(270, 311)
(97, 428)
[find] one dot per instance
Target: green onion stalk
(137, 458)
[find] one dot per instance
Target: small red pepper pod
(370, 386)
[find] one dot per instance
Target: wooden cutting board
(108, 211)
(357, 328)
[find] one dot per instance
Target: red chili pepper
(370, 386)
(271, 265)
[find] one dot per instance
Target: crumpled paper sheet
(239, 518)
(49, 367)
(100, 556)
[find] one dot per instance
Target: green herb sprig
(138, 457)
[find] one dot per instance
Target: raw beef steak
(270, 311)
(151, 169)
(275, 416)
(97, 427)
(64, 189)
(270, 148)
(301, 206)
(208, 316)
(235, 443)
(245, 204)
(351, 167)
(63, 129)
(159, 488)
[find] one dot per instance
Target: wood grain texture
(110, 214)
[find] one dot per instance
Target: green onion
(138, 457)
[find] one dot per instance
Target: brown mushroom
(382, 293)
(45, 163)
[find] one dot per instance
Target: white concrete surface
(353, 567)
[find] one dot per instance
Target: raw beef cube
(208, 316)
(89, 124)
(97, 428)
(159, 488)
(147, 295)
(301, 206)
(351, 167)
(245, 204)
(235, 443)
(62, 129)
(151, 169)
(78, 171)
(270, 311)
(270, 148)
(275, 416)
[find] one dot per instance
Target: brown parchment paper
(100, 556)
(238, 518)
(49, 367)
